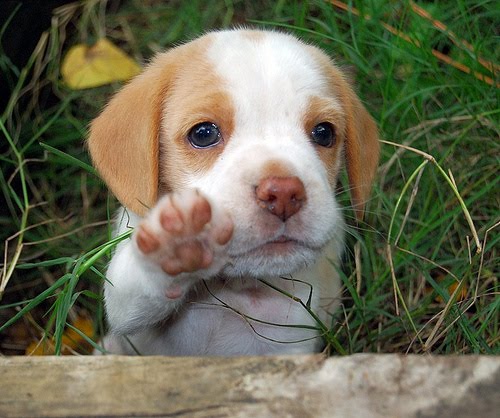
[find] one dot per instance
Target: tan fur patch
(361, 134)
(275, 169)
(198, 96)
(321, 110)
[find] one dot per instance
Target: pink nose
(282, 196)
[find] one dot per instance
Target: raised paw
(183, 233)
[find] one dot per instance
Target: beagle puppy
(224, 153)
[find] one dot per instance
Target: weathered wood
(303, 386)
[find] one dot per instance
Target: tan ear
(361, 152)
(124, 140)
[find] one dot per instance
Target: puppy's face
(257, 121)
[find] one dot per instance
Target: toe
(146, 240)
(201, 214)
(171, 219)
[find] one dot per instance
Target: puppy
(225, 154)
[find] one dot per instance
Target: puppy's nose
(282, 196)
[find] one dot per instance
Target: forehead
(268, 73)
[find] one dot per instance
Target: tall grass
(421, 273)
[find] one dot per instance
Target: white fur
(270, 82)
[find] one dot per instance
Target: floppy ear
(361, 152)
(124, 140)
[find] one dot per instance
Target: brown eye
(204, 135)
(323, 134)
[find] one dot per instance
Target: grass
(420, 275)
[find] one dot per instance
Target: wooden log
(362, 385)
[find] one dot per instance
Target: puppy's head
(258, 121)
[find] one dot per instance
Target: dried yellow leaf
(71, 340)
(103, 63)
